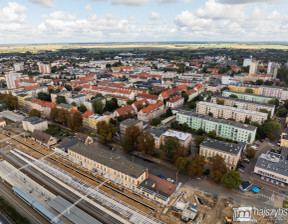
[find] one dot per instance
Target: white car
(170, 180)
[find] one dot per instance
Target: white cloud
(248, 1)
(61, 15)
(215, 10)
(88, 7)
(44, 3)
(13, 13)
(155, 16)
(139, 2)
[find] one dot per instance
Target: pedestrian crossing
(271, 198)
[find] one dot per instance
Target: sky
(76, 21)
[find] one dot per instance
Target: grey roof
(250, 94)
(226, 147)
(34, 120)
(217, 120)
(244, 101)
(75, 215)
(65, 145)
(273, 162)
(157, 132)
(105, 157)
(41, 136)
(65, 105)
(78, 96)
(130, 122)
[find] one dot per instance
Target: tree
(232, 179)
(185, 96)
(83, 108)
(35, 113)
(156, 121)
(181, 163)
(200, 131)
(169, 112)
(111, 105)
(250, 153)
(77, 121)
(224, 89)
(270, 128)
(196, 165)
(248, 90)
(220, 101)
(60, 99)
(198, 140)
(275, 102)
(74, 104)
(282, 112)
(131, 134)
(233, 96)
(68, 87)
(62, 116)
(259, 82)
(98, 106)
(146, 142)
(191, 105)
(218, 167)
(106, 131)
(171, 145)
(212, 134)
(54, 114)
(265, 111)
(77, 89)
(43, 96)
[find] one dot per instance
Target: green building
(249, 96)
(224, 128)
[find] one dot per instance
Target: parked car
(260, 187)
(240, 170)
(161, 176)
(283, 192)
(257, 143)
(170, 180)
(246, 160)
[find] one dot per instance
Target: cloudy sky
(55, 21)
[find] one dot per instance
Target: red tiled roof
(147, 96)
(175, 98)
(153, 107)
(125, 110)
(2, 120)
(44, 103)
(31, 87)
(87, 114)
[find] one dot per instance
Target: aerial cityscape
(143, 112)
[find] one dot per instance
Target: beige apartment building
(111, 166)
(220, 111)
(230, 152)
(245, 104)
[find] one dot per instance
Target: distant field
(150, 46)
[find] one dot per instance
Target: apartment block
(224, 128)
(244, 104)
(225, 112)
(242, 88)
(152, 111)
(277, 92)
(249, 96)
(230, 152)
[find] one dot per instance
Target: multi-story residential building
(230, 152)
(221, 111)
(32, 90)
(158, 135)
(273, 69)
(21, 99)
(242, 88)
(152, 111)
(43, 106)
(272, 167)
(66, 94)
(89, 104)
(12, 80)
(247, 62)
(248, 96)
(66, 106)
(94, 119)
(183, 137)
(175, 102)
(44, 68)
(245, 104)
(78, 99)
(271, 91)
(128, 123)
(253, 67)
(112, 167)
(32, 123)
(18, 66)
(224, 128)
(152, 99)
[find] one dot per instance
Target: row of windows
(272, 176)
(227, 158)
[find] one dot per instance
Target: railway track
(81, 173)
(57, 189)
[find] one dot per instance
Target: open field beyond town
(148, 46)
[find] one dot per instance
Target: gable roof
(152, 108)
(41, 136)
(124, 110)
